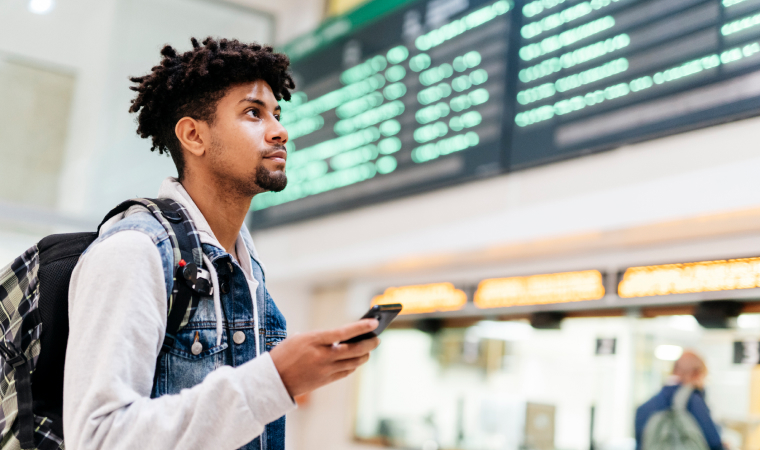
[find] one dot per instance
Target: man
(214, 110)
(688, 370)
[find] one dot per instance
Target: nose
(277, 134)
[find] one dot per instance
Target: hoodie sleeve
(117, 316)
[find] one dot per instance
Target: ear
(192, 135)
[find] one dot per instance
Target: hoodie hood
(173, 189)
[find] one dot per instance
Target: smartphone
(384, 314)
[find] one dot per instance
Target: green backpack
(674, 428)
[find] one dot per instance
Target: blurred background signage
(424, 298)
(398, 97)
(606, 346)
(747, 352)
(540, 289)
(585, 285)
(706, 276)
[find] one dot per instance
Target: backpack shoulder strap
(191, 280)
(681, 397)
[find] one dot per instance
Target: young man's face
(248, 140)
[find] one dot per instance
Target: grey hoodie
(113, 344)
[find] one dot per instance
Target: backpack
(34, 321)
(674, 428)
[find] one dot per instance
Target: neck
(223, 208)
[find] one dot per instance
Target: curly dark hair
(192, 83)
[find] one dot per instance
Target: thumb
(349, 331)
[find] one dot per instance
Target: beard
(261, 181)
(271, 181)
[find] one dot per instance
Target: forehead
(259, 90)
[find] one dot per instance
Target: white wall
(102, 43)
(120, 164)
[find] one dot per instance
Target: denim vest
(180, 368)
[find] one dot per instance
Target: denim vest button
(238, 337)
(224, 287)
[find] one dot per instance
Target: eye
(277, 116)
(254, 112)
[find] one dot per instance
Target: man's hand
(311, 360)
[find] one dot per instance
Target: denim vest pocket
(275, 325)
(206, 337)
(180, 368)
(274, 337)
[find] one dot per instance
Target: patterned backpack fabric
(34, 321)
(20, 347)
(674, 428)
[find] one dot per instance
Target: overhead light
(504, 331)
(748, 321)
(41, 6)
(668, 352)
(683, 323)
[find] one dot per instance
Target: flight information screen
(410, 102)
(596, 74)
(436, 92)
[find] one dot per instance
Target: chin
(274, 181)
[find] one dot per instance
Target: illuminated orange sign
(540, 289)
(424, 298)
(705, 276)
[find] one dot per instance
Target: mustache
(273, 149)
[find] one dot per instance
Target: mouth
(278, 156)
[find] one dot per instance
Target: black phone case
(384, 314)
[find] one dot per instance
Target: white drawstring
(255, 317)
(217, 299)
(218, 307)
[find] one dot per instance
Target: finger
(350, 364)
(349, 331)
(348, 351)
(339, 375)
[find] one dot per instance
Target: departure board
(436, 92)
(600, 73)
(411, 102)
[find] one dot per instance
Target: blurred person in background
(689, 373)
(215, 110)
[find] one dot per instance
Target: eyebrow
(256, 101)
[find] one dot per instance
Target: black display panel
(439, 92)
(597, 74)
(411, 102)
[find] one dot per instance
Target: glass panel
(505, 385)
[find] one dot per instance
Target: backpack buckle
(198, 279)
(16, 361)
(171, 216)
